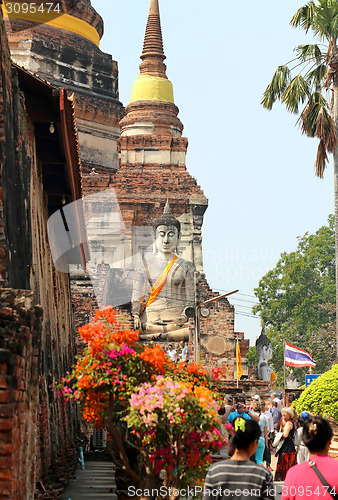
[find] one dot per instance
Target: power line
(247, 315)
(244, 294)
(241, 305)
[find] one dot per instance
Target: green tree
(314, 87)
(251, 356)
(297, 297)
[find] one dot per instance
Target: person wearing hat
(240, 411)
(303, 453)
(255, 398)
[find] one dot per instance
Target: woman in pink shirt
(301, 480)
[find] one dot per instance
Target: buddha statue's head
(263, 346)
(167, 232)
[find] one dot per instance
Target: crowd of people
(300, 443)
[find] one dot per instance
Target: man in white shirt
(172, 353)
(267, 452)
(277, 400)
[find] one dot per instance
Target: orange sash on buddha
(157, 287)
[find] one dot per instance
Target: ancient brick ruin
(140, 153)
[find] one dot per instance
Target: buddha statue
(264, 352)
(163, 288)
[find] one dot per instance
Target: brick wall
(19, 396)
(37, 429)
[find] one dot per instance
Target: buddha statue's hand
(181, 320)
(137, 322)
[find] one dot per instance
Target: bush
(320, 398)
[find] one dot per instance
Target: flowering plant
(168, 411)
(177, 424)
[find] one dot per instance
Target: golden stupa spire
(153, 54)
(152, 84)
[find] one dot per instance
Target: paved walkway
(95, 482)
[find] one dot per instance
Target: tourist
(185, 352)
(228, 407)
(303, 453)
(223, 414)
(240, 411)
(254, 398)
(276, 416)
(271, 434)
(263, 424)
(287, 456)
(237, 477)
(275, 399)
(302, 480)
(171, 352)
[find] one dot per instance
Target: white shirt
(172, 355)
(279, 404)
(269, 418)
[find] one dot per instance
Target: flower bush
(177, 423)
(320, 398)
(167, 411)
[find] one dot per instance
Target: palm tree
(315, 89)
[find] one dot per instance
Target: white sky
(254, 166)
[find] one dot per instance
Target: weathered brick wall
(15, 240)
(220, 324)
(20, 337)
(48, 430)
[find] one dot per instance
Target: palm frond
(304, 120)
(310, 114)
(276, 87)
(325, 20)
(321, 160)
(326, 130)
(317, 77)
(304, 16)
(295, 93)
(309, 51)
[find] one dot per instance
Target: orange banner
(238, 362)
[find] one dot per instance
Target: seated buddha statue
(163, 288)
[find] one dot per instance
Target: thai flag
(294, 356)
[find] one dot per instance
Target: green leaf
(295, 93)
(306, 52)
(325, 21)
(276, 87)
(304, 16)
(315, 78)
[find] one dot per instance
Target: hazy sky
(254, 166)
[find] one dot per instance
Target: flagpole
(236, 361)
(284, 402)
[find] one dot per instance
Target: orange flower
(106, 312)
(156, 357)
